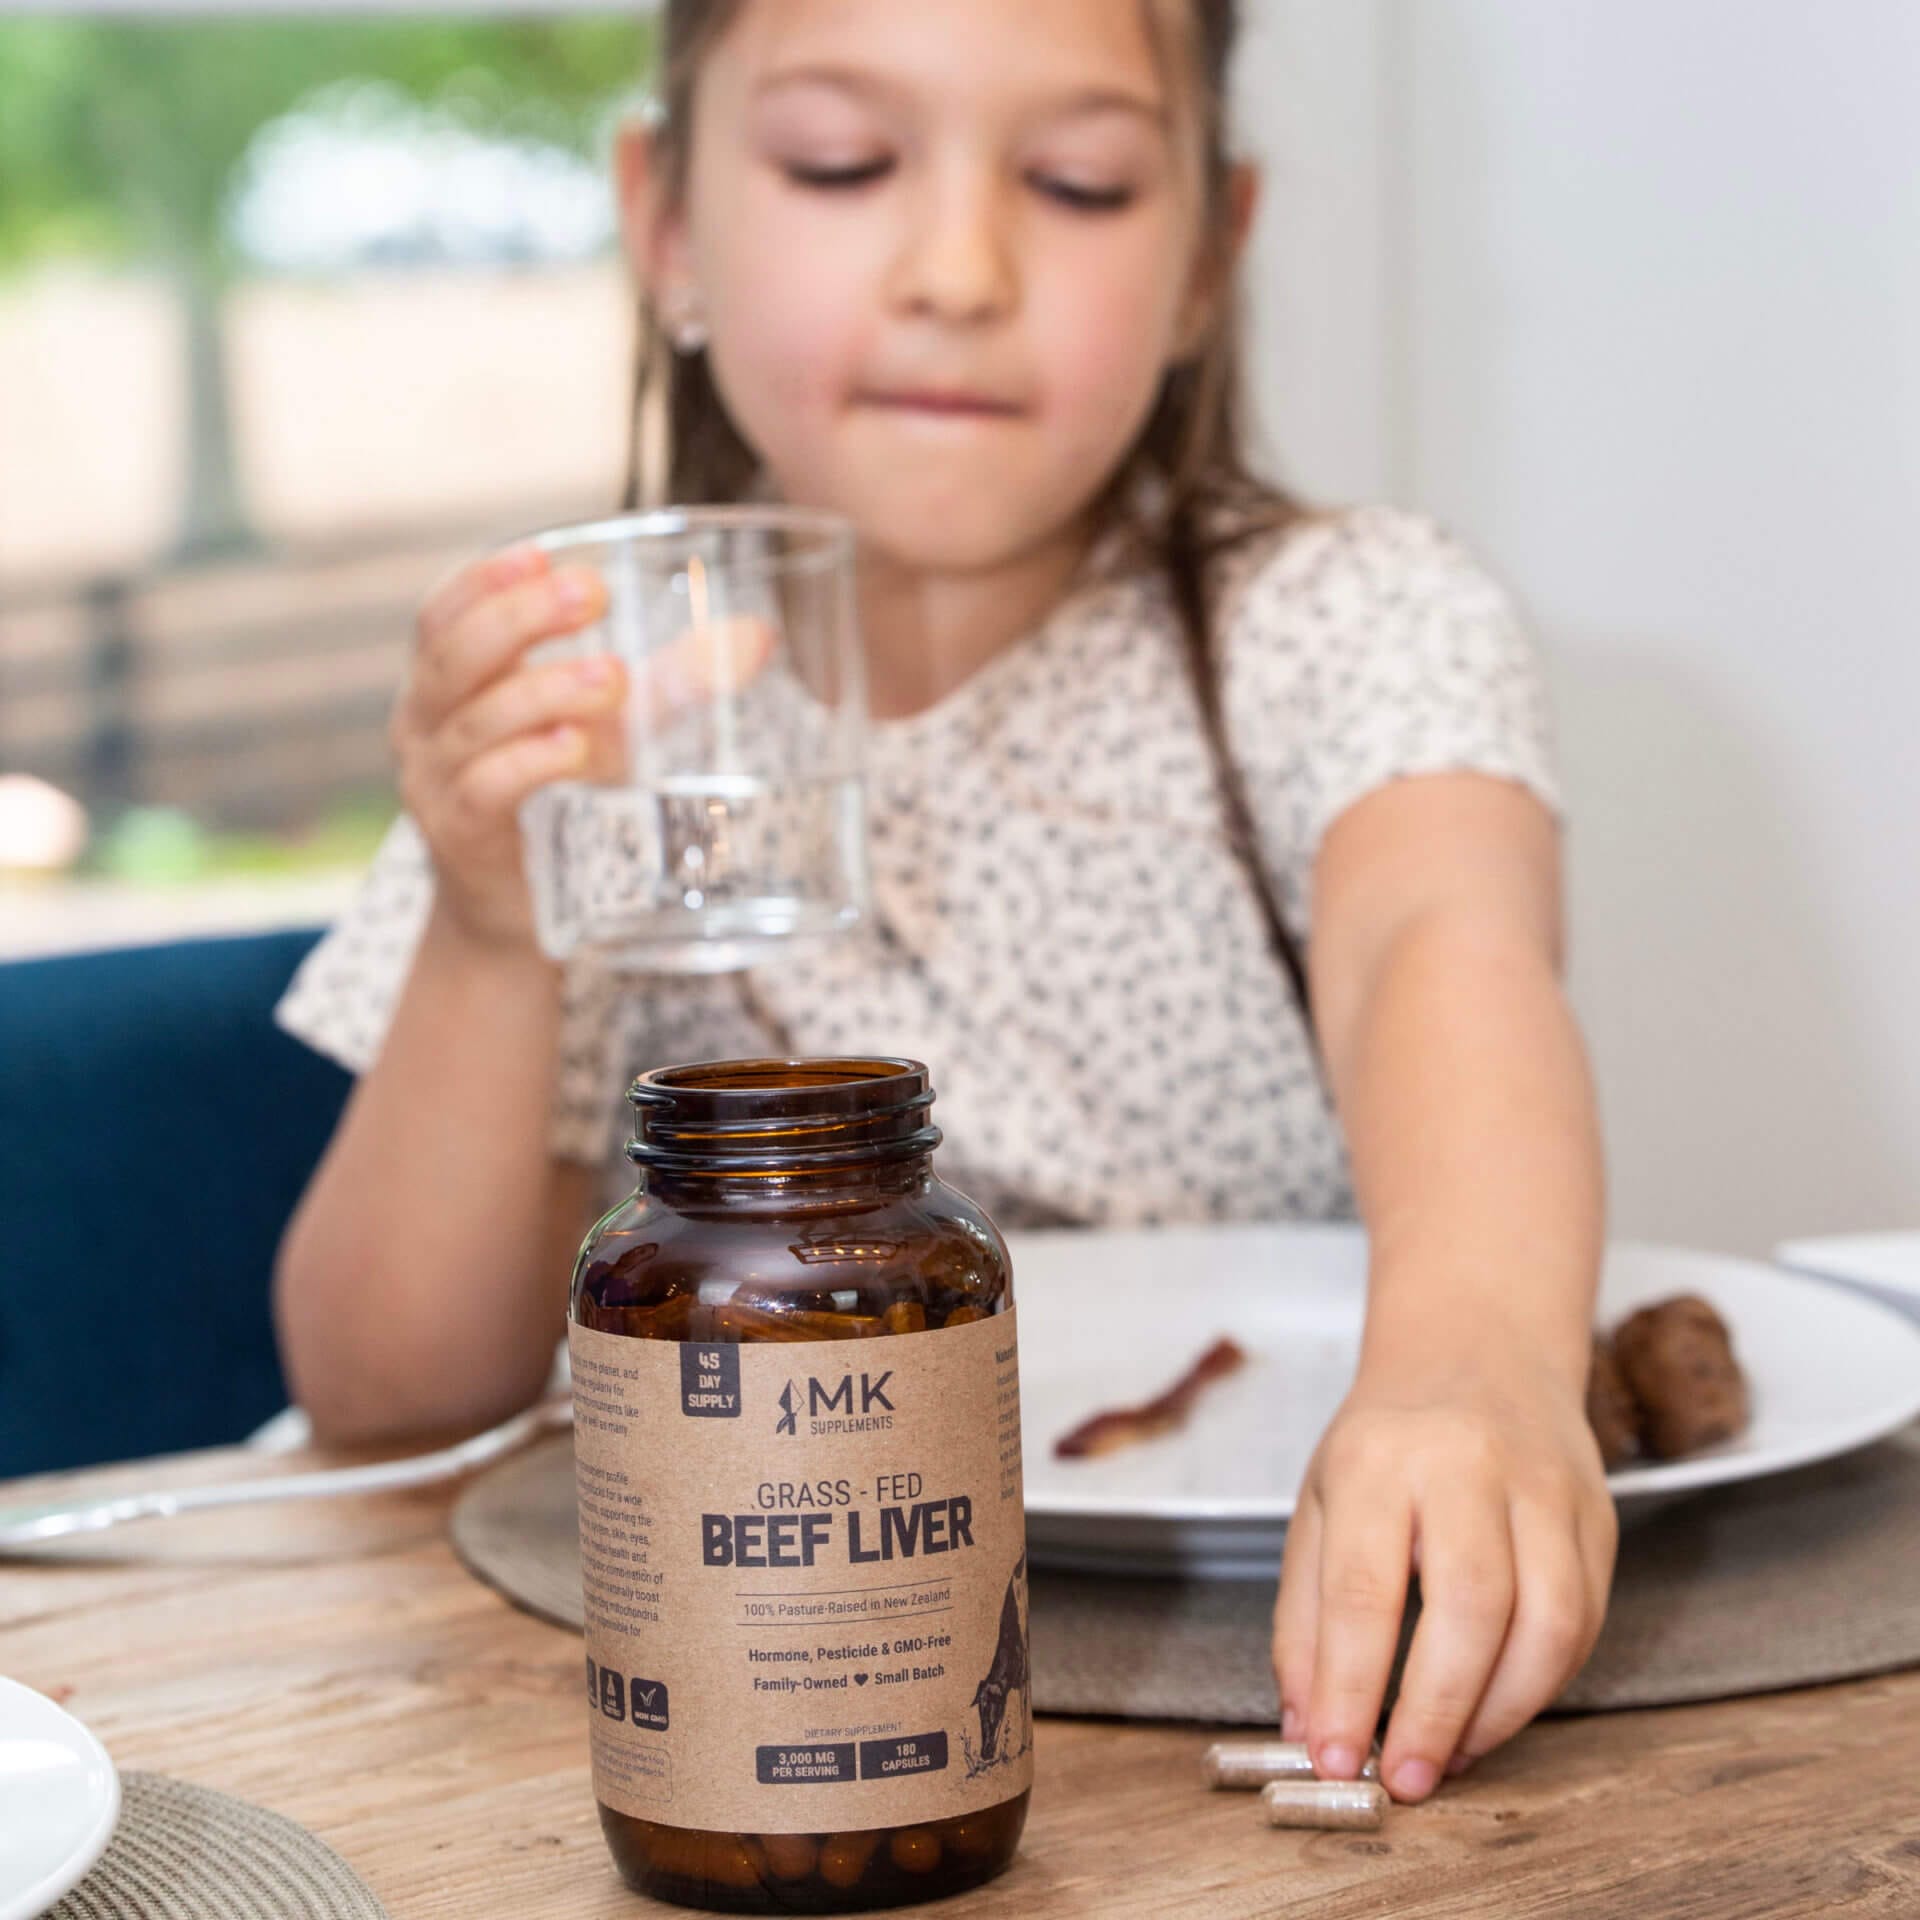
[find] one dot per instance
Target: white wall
(1314, 96)
(1645, 326)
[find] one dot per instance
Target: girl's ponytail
(1189, 486)
(1187, 559)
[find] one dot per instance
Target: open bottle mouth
(770, 1116)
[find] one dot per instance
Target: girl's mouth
(940, 402)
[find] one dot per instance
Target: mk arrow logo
(825, 1397)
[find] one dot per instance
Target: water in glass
(738, 825)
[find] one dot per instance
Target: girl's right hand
(477, 729)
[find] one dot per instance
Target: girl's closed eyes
(821, 174)
(1083, 196)
(823, 130)
(1100, 155)
(1096, 155)
(1079, 196)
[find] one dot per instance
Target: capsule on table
(1247, 1764)
(1324, 1803)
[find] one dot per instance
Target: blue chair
(156, 1130)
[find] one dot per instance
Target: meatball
(1678, 1362)
(1611, 1411)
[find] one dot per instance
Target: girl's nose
(956, 259)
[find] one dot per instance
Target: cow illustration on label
(1005, 1677)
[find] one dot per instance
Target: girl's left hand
(1471, 1464)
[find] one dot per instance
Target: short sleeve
(1366, 648)
(341, 1001)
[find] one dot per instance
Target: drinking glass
(737, 823)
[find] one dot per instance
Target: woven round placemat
(183, 1852)
(1783, 1582)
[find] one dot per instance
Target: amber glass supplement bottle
(797, 1427)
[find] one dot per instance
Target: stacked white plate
(59, 1800)
(1885, 1265)
(1108, 1319)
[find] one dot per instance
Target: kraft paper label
(806, 1579)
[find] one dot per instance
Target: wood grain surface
(334, 1661)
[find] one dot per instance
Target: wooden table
(335, 1662)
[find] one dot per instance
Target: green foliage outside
(160, 846)
(119, 142)
(118, 137)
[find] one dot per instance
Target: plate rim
(62, 1879)
(1805, 1257)
(1709, 1469)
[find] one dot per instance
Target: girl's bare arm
(422, 1283)
(1462, 1450)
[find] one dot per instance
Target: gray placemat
(183, 1852)
(1783, 1582)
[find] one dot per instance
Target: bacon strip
(1128, 1426)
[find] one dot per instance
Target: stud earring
(685, 327)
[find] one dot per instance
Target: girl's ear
(652, 233)
(1243, 207)
(1219, 261)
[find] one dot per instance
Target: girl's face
(945, 253)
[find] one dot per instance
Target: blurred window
(295, 313)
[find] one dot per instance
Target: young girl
(1215, 867)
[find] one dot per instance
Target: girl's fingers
(1467, 1601)
(1556, 1618)
(461, 589)
(486, 794)
(525, 702)
(454, 661)
(1296, 1615)
(609, 752)
(1366, 1543)
(1597, 1534)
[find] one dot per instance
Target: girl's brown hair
(1185, 491)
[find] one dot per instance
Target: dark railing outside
(109, 745)
(259, 721)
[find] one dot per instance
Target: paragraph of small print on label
(806, 1578)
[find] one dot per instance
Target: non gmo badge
(616, 1694)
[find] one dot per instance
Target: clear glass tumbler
(737, 823)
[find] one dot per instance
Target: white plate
(1111, 1318)
(60, 1799)
(1886, 1265)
